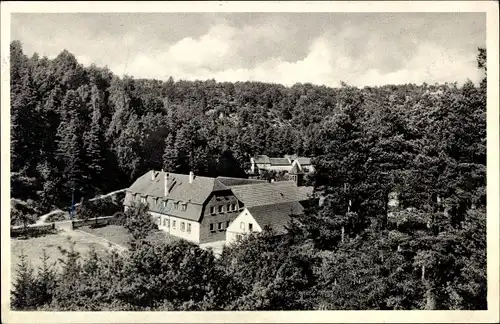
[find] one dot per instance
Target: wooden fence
(33, 230)
(100, 221)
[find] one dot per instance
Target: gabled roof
(304, 160)
(179, 187)
(279, 161)
(229, 182)
(262, 159)
(276, 216)
(296, 169)
(268, 193)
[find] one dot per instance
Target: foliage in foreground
(268, 272)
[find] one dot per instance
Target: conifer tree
(24, 293)
(45, 281)
(94, 142)
(170, 155)
(69, 144)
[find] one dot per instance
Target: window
(234, 207)
(173, 224)
(184, 207)
(164, 204)
(238, 237)
(183, 226)
(189, 227)
(250, 227)
(176, 205)
(228, 207)
(221, 209)
(165, 222)
(220, 226)
(212, 227)
(156, 200)
(143, 200)
(227, 224)
(212, 210)
(242, 226)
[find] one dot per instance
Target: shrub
(138, 222)
(99, 208)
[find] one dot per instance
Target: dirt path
(42, 219)
(91, 238)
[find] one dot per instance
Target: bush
(22, 212)
(138, 222)
(99, 208)
(32, 231)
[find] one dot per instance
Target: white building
(254, 219)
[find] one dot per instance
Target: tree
(70, 150)
(68, 283)
(94, 142)
(170, 155)
(24, 291)
(45, 281)
(139, 223)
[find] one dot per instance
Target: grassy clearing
(33, 247)
(119, 235)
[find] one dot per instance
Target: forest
(89, 130)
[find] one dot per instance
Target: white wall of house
(186, 229)
(278, 168)
(241, 226)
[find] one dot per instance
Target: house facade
(286, 163)
(254, 219)
(200, 209)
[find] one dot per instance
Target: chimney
(191, 176)
(165, 184)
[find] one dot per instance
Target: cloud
(360, 49)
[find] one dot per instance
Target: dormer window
(176, 205)
(212, 210)
(164, 203)
(143, 200)
(221, 209)
(184, 207)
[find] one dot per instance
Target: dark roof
(279, 161)
(268, 193)
(304, 160)
(276, 216)
(262, 159)
(238, 181)
(296, 169)
(179, 187)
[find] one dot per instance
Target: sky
(361, 49)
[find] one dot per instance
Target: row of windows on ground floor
(183, 226)
(186, 226)
(220, 226)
